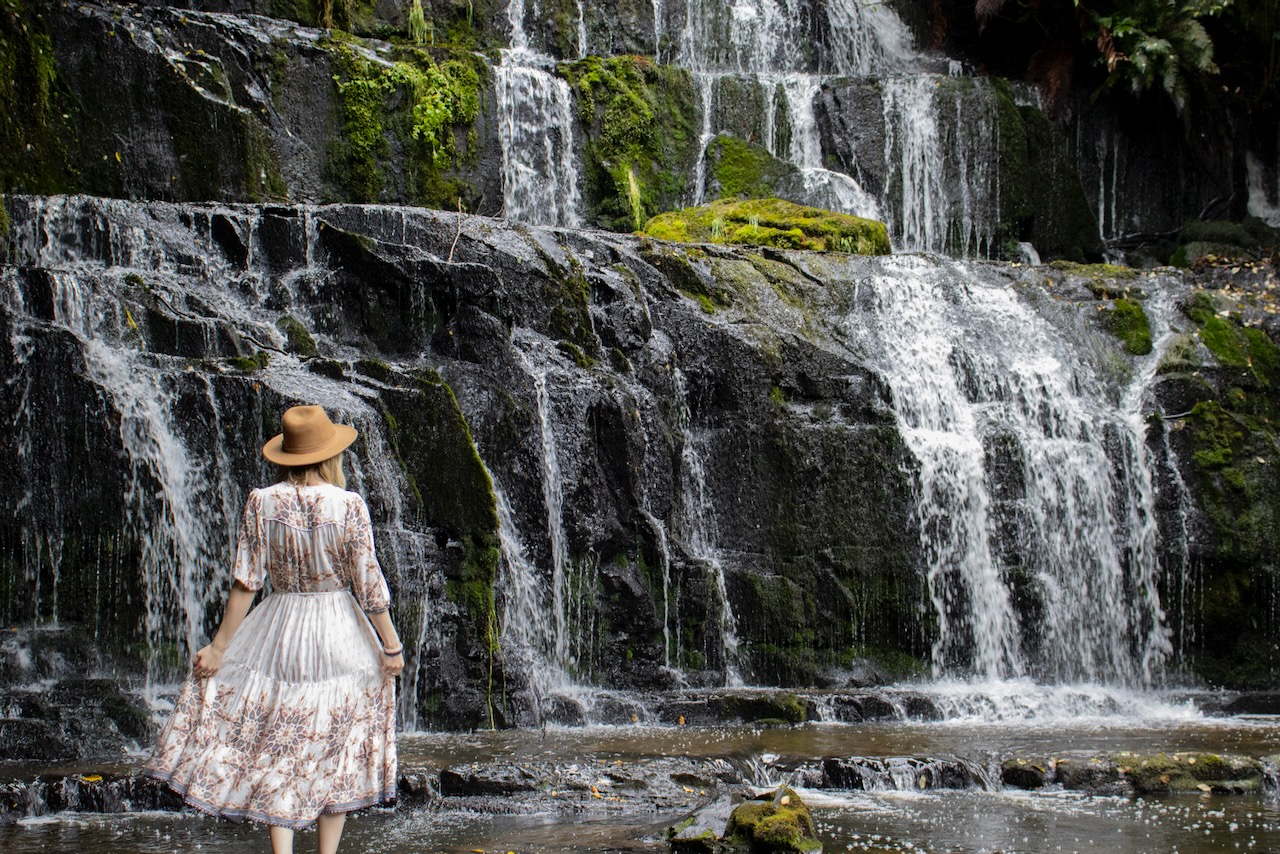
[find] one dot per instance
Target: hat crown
(308, 437)
(306, 429)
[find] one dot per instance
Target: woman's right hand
(207, 662)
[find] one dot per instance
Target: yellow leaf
(92, 778)
(133, 324)
(119, 159)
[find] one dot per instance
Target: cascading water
(699, 524)
(552, 482)
(1035, 501)
(941, 197)
(535, 128)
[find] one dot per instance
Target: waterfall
(529, 631)
(535, 129)
(1035, 499)
(942, 197)
(552, 495)
(406, 552)
(1264, 189)
(700, 534)
(824, 187)
(535, 108)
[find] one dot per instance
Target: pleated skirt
(299, 721)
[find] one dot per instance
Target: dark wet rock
(900, 773)
(89, 792)
(736, 707)
(1093, 774)
(490, 779)
(862, 707)
(1251, 703)
(415, 787)
(1026, 773)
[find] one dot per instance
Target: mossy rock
(641, 140)
(1104, 281)
(744, 169)
(1218, 231)
(1189, 253)
(250, 364)
(1128, 322)
(1192, 772)
(1233, 345)
(778, 823)
(297, 340)
(771, 222)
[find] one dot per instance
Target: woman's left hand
(393, 664)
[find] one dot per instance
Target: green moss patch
(426, 105)
(298, 340)
(745, 170)
(1128, 322)
(641, 140)
(779, 823)
(771, 222)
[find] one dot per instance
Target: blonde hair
(329, 471)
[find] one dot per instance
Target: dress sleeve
(250, 567)
(367, 582)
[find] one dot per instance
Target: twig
(459, 232)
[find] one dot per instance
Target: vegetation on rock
(425, 104)
(745, 170)
(778, 823)
(771, 222)
(640, 137)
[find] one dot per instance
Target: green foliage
(421, 31)
(439, 98)
(1157, 45)
(641, 141)
(771, 222)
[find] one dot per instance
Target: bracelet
(391, 652)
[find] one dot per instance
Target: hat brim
(343, 436)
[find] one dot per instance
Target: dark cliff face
(438, 363)
(258, 102)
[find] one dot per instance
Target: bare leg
(330, 832)
(281, 840)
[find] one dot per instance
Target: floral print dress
(300, 719)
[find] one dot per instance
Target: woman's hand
(393, 664)
(207, 662)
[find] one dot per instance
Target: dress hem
(233, 814)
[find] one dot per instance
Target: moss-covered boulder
(1192, 772)
(773, 824)
(771, 222)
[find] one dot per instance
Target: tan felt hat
(309, 437)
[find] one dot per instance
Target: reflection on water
(936, 821)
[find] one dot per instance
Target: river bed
(990, 818)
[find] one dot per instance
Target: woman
(289, 715)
